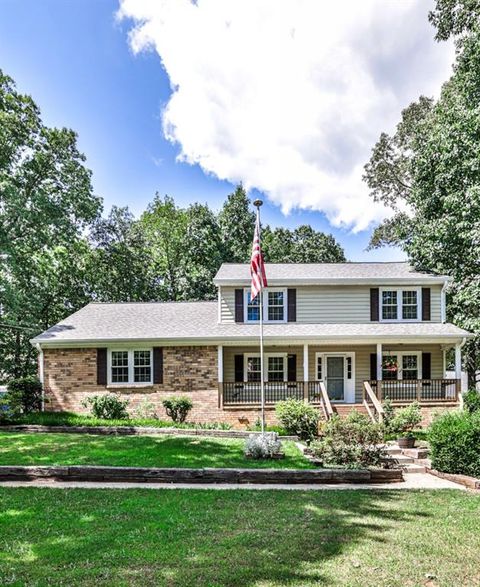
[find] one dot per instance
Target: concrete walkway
(412, 481)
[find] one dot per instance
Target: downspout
(41, 375)
(460, 397)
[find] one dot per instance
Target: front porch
(332, 376)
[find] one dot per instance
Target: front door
(335, 378)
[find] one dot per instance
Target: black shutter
(426, 365)
(291, 305)
(292, 368)
(374, 304)
(239, 305)
(157, 364)
(238, 368)
(373, 366)
(426, 303)
(101, 366)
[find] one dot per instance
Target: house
(338, 335)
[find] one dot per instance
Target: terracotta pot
(406, 442)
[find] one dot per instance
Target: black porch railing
(250, 392)
(421, 390)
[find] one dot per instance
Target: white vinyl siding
(329, 304)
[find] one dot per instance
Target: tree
(204, 252)
(165, 230)
(119, 268)
(237, 223)
(46, 203)
(429, 173)
(454, 17)
(302, 245)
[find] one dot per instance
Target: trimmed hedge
(454, 441)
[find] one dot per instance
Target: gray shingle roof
(327, 272)
(198, 322)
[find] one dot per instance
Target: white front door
(337, 371)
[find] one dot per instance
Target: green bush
(24, 395)
(471, 401)
(108, 406)
(454, 439)
(298, 418)
(388, 414)
(405, 420)
(352, 442)
(177, 408)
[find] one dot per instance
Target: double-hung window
(399, 304)
(274, 306)
(130, 366)
(402, 365)
(275, 367)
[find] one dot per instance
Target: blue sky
(77, 62)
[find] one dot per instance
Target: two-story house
(338, 335)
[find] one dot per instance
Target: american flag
(257, 267)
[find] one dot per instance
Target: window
(276, 369)
(409, 305)
(275, 306)
(253, 308)
(119, 366)
(253, 368)
(405, 365)
(400, 304)
(389, 305)
(410, 367)
(274, 301)
(130, 366)
(319, 368)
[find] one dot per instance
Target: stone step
(400, 459)
(393, 450)
(414, 468)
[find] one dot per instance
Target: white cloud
(289, 96)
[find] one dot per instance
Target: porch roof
(197, 323)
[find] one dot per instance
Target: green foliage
(352, 442)
(471, 401)
(388, 415)
(177, 408)
(257, 427)
(24, 395)
(298, 418)
(454, 440)
(108, 406)
(237, 221)
(430, 166)
(405, 420)
(301, 245)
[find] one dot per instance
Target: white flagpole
(258, 203)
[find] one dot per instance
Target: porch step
(344, 409)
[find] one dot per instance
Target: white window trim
(130, 382)
(399, 355)
(265, 305)
(246, 356)
(399, 291)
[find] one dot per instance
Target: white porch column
(220, 364)
(458, 361)
(305, 372)
(379, 361)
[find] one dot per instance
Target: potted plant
(403, 423)
(390, 364)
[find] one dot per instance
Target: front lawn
(137, 451)
(238, 537)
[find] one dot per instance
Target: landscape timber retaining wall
(465, 480)
(207, 475)
(133, 431)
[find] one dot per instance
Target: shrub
(108, 406)
(454, 439)
(262, 446)
(24, 395)
(388, 414)
(471, 401)
(146, 411)
(177, 408)
(405, 420)
(351, 442)
(298, 418)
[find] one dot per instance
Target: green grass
(238, 538)
(72, 419)
(136, 451)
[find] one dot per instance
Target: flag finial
(257, 203)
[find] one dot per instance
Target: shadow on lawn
(191, 537)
